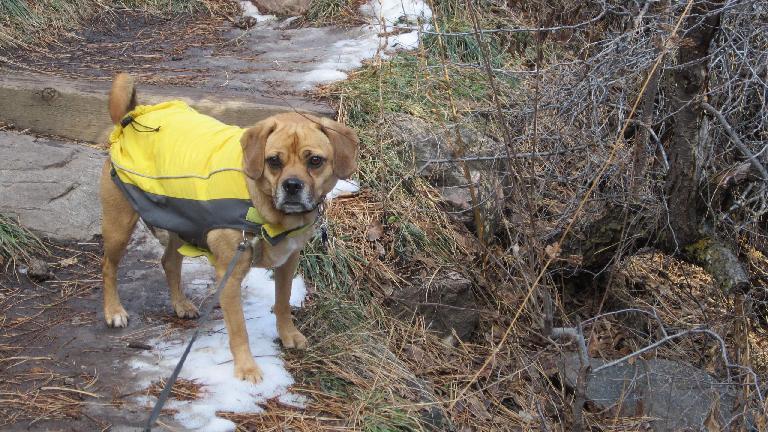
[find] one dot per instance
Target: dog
(289, 162)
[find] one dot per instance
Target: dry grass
(16, 242)
(26, 24)
(51, 397)
(182, 390)
(334, 12)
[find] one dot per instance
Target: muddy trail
(277, 59)
(61, 367)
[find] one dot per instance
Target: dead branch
(736, 140)
(577, 335)
(497, 158)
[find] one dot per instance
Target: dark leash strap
(203, 318)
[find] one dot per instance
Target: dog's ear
(345, 143)
(254, 142)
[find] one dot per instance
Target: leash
(203, 318)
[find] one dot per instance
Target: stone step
(77, 109)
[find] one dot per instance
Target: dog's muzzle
(293, 196)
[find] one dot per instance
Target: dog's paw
(250, 373)
(293, 338)
(116, 316)
(185, 309)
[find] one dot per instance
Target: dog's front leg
(289, 335)
(223, 248)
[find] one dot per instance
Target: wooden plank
(78, 109)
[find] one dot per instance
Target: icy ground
(372, 39)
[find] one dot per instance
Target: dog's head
(297, 158)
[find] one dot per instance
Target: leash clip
(323, 225)
(252, 243)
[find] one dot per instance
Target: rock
(245, 22)
(447, 304)
(51, 186)
(677, 395)
(282, 7)
(39, 271)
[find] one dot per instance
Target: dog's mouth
(300, 202)
(295, 207)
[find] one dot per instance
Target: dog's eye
(274, 162)
(315, 161)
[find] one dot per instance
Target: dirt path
(271, 59)
(61, 368)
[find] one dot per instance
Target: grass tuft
(334, 12)
(23, 22)
(17, 242)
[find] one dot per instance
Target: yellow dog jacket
(182, 171)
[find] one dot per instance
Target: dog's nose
(293, 186)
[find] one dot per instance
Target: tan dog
(291, 161)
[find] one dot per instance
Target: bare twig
(576, 334)
(505, 157)
(736, 140)
(619, 140)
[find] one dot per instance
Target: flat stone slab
(77, 109)
(52, 186)
(677, 396)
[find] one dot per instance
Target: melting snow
(210, 362)
(249, 9)
(385, 16)
(405, 17)
(343, 187)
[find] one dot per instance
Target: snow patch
(210, 361)
(342, 188)
(249, 9)
(394, 12)
(386, 16)
(392, 25)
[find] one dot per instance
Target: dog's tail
(122, 97)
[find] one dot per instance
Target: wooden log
(77, 109)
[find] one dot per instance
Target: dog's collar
(274, 233)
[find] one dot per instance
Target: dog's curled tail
(122, 97)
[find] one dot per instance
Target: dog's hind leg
(172, 265)
(117, 223)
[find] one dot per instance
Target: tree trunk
(688, 232)
(684, 85)
(684, 230)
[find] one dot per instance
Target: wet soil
(271, 59)
(61, 367)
